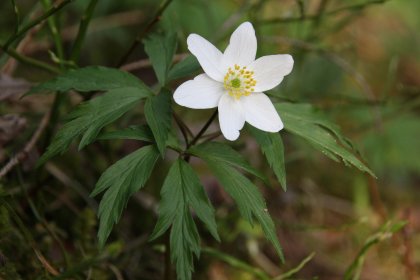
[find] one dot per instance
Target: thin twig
(30, 61)
(19, 157)
(356, 7)
(36, 21)
(155, 19)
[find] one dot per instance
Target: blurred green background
(357, 62)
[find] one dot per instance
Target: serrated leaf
(92, 78)
(182, 190)
(161, 50)
(158, 112)
(272, 147)
(248, 198)
(300, 120)
(223, 153)
(90, 117)
(184, 68)
(141, 132)
(120, 181)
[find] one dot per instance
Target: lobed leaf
(248, 198)
(92, 78)
(182, 190)
(272, 147)
(142, 133)
(219, 152)
(158, 112)
(184, 68)
(161, 50)
(90, 117)
(120, 181)
(301, 120)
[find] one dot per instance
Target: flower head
(234, 81)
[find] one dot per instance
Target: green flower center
(239, 81)
(236, 83)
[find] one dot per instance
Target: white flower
(234, 82)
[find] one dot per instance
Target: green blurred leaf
(161, 49)
(158, 112)
(272, 147)
(182, 190)
(247, 196)
(90, 117)
(184, 68)
(120, 181)
(385, 232)
(142, 133)
(301, 119)
(216, 151)
(92, 78)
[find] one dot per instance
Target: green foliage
(247, 196)
(219, 152)
(302, 120)
(181, 190)
(91, 78)
(184, 68)
(385, 232)
(158, 113)
(272, 147)
(120, 181)
(161, 49)
(142, 133)
(89, 118)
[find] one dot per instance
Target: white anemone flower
(234, 81)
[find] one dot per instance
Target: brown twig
(19, 157)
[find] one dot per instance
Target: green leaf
(90, 117)
(248, 198)
(158, 112)
(92, 78)
(223, 153)
(272, 147)
(184, 68)
(302, 120)
(120, 181)
(142, 133)
(182, 190)
(161, 50)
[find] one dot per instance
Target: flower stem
(81, 34)
(203, 129)
(53, 26)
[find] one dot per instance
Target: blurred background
(357, 62)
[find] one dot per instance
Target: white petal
(208, 56)
(242, 46)
(231, 117)
(269, 70)
(200, 93)
(260, 112)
